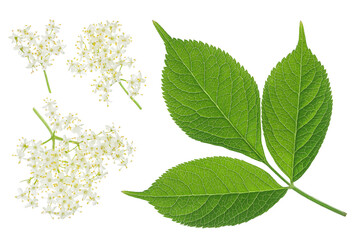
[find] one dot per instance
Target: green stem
(53, 137)
(47, 141)
(73, 148)
(47, 81)
(335, 210)
(292, 186)
(53, 141)
(61, 139)
(43, 121)
(127, 93)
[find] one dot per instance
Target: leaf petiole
(311, 198)
(335, 210)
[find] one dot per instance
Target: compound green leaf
(211, 97)
(213, 192)
(296, 109)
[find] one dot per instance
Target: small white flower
(77, 129)
(52, 27)
(24, 144)
(22, 195)
(33, 203)
(20, 154)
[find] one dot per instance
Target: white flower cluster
(64, 175)
(39, 50)
(101, 48)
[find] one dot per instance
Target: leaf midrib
(263, 159)
(211, 194)
(297, 114)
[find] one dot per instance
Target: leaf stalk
(311, 198)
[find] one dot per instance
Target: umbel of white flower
(101, 48)
(64, 171)
(39, 50)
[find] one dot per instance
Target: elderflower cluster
(101, 48)
(38, 49)
(66, 170)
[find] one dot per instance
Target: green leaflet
(213, 192)
(211, 97)
(296, 110)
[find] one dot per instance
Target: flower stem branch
(61, 139)
(47, 82)
(53, 136)
(127, 93)
(43, 121)
(47, 141)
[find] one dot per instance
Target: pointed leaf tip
(125, 192)
(302, 34)
(140, 195)
(129, 193)
(164, 35)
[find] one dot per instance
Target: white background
(256, 33)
